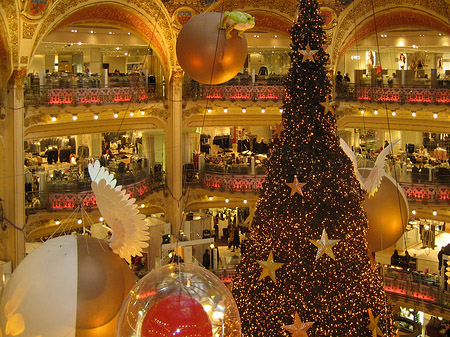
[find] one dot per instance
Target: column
(173, 151)
(95, 147)
(12, 178)
(148, 143)
(186, 153)
(95, 61)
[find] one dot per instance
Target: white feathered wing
(120, 212)
(373, 181)
(348, 151)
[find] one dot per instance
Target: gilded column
(174, 151)
(13, 184)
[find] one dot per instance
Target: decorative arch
(273, 23)
(148, 20)
(360, 13)
(268, 11)
(393, 20)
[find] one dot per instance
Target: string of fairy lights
(305, 269)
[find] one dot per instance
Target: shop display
(205, 54)
(69, 286)
(179, 300)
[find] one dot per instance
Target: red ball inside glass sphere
(177, 315)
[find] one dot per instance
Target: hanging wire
(219, 31)
(392, 149)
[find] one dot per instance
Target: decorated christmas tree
(306, 270)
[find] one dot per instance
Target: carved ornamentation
(182, 15)
(12, 17)
(36, 119)
(187, 113)
(17, 80)
(34, 9)
(24, 59)
(28, 30)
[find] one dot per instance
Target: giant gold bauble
(387, 212)
(205, 54)
(69, 286)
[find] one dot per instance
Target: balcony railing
(391, 94)
(40, 95)
(233, 90)
(68, 196)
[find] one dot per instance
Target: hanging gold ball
(205, 54)
(387, 212)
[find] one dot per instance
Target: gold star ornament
(269, 268)
(308, 54)
(278, 130)
(298, 329)
(296, 187)
(329, 106)
(373, 325)
(324, 245)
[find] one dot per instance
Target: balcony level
(411, 108)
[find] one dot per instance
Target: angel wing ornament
(349, 152)
(373, 181)
(120, 212)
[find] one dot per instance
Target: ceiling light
(244, 110)
(80, 221)
(362, 111)
(225, 110)
(375, 112)
(131, 113)
(128, 33)
(435, 115)
(100, 219)
(414, 114)
(209, 111)
(276, 35)
(142, 112)
(57, 222)
(394, 113)
(434, 213)
(92, 32)
(79, 43)
(227, 200)
(95, 116)
(110, 33)
(74, 117)
(116, 115)
(414, 212)
(210, 198)
(117, 48)
(263, 110)
(281, 110)
(142, 205)
(245, 201)
(53, 118)
(126, 54)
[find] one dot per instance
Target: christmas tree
(306, 270)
